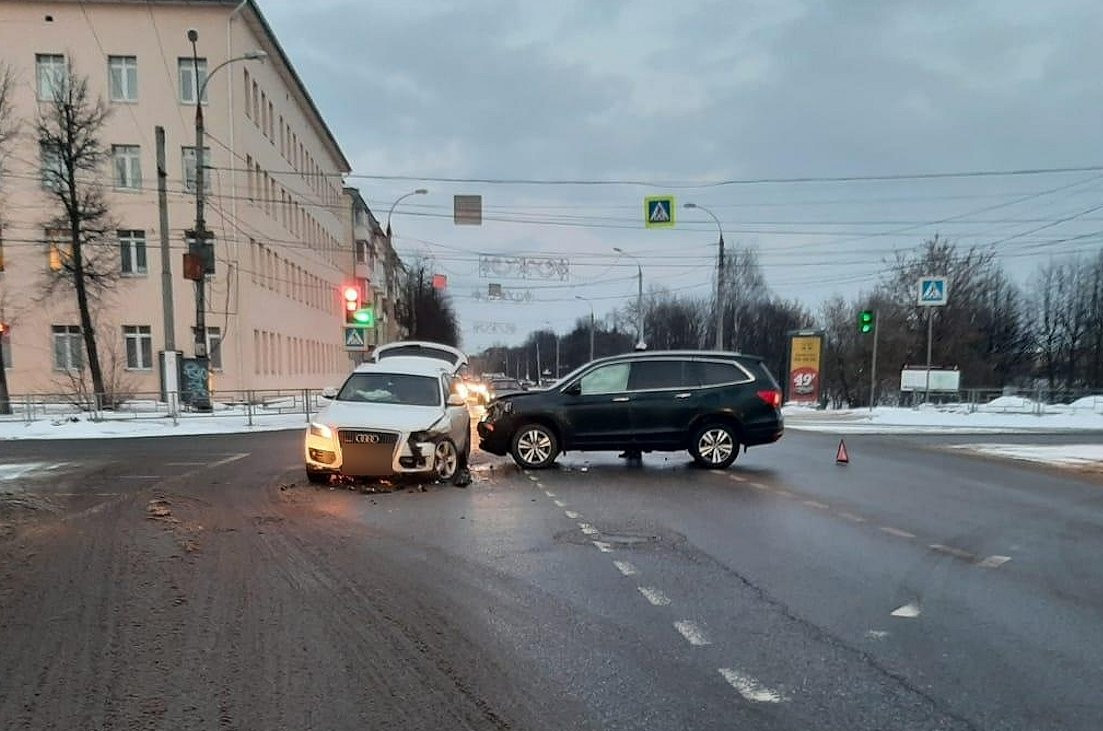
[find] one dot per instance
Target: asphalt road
(198, 583)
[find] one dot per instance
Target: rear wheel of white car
(534, 447)
(446, 459)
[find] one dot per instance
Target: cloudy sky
(678, 96)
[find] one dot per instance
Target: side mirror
(329, 392)
(575, 389)
(454, 399)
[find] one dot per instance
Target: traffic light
(356, 314)
(867, 320)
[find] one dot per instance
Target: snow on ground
(188, 425)
(953, 419)
(1064, 455)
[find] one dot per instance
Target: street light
(640, 345)
(419, 191)
(719, 278)
(556, 335)
(201, 237)
(591, 304)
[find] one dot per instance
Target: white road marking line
(993, 562)
(750, 688)
(910, 610)
(228, 460)
(534, 478)
(540, 485)
(851, 517)
(140, 477)
(876, 634)
(626, 568)
(895, 531)
(571, 514)
(559, 503)
(958, 552)
(549, 493)
(784, 493)
(816, 504)
(183, 464)
(588, 529)
(737, 478)
(759, 486)
(654, 596)
(693, 634)
(603, 546)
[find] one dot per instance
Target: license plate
(367, 438)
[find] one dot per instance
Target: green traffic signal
(866, 321)
(364, 317)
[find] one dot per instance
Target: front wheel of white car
(446, 460)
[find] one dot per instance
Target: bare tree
(68, 127)
(8, 129)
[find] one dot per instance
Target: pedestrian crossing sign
(658, 211)
(354, 338)
(933, 291)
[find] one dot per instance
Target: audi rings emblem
(367, 439)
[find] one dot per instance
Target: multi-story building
(275, 199)
(377, 269)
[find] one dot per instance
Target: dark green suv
(706, 402)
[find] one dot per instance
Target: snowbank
(955, 419)
(149, 427)
(1065, 455)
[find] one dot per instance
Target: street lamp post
(640, 345)
(201, 235)
(556, 336)
(589, 302)
(419, 191)
(719, 278)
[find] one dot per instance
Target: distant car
(392, 418)
(708, 403)
(455, 358)
(503, 387)
(474, 390)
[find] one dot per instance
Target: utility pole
(166, 261)
(199, 245)
(930, 334)
(873, 363)
(592, 324)
(719, 276)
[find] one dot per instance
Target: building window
(68, 348)
(132, 252)
(248, 98)
(256, 104)
(190, 81)
(128, 168)
(214, 347)
(52, 166)
(188, 157)
(122, 76)
(52, 74)
(139, 347)
(1, 249)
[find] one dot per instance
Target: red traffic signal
(350, 293)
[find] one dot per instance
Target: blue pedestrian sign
(354, 339)
(933, 291)
(658, 211)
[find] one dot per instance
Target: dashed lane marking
(816, 504)
(626, 568)
(140, 477)
(895, 532)
(549, 493)
(876, 634)
(956, 552)
(693, 634)
(737, 478)
(184, 464)
(750, 688)
(534, 478)
(910, 610)
(993, 562)
(231, 458)
(603, 546)
(784, 493)
(759, 486)
(571, 514)
(559, 503)
(851, 517)
(653, 595)
(588, 529)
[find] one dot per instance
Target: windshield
(391, 388)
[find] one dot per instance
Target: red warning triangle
(841, 457)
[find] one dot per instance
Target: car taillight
(771, 396)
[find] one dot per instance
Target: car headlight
(320, 430)
(461, 389)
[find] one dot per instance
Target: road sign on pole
(933, 291)
(658, 211)
(355, 339)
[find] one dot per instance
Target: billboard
(941, 379)
(805, 367)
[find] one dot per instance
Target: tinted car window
(652, 374)
(419, 351)
(606, 379)
(500, 384)
(710, 373)
(391, 388)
